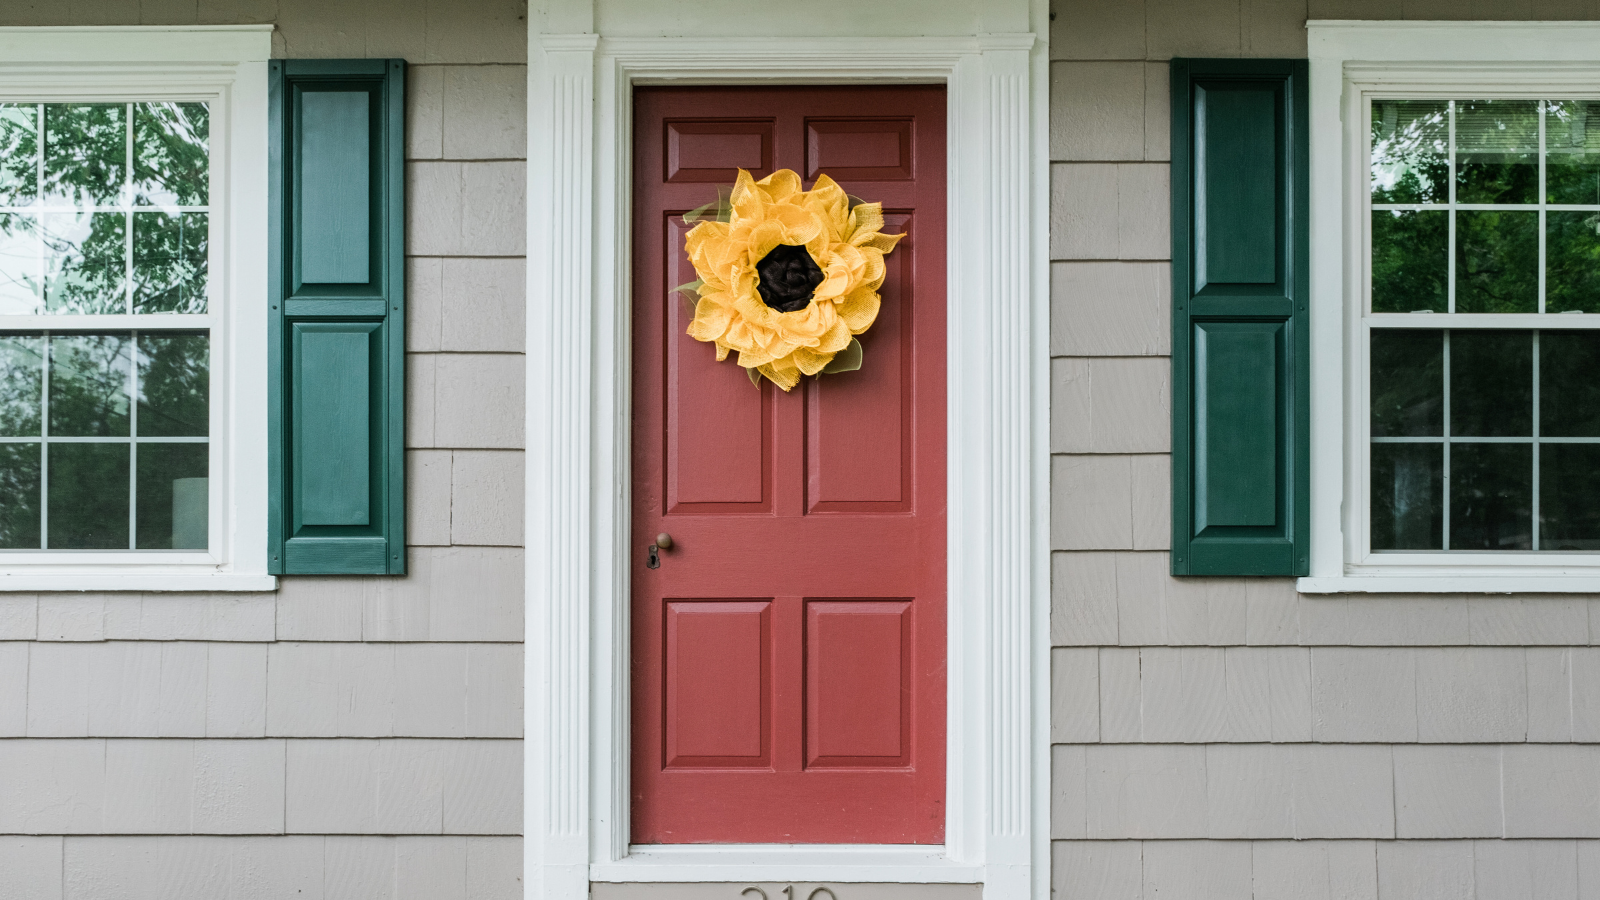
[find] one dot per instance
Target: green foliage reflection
(1410, 260)
(1497, 262)
(19, 485)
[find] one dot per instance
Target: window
(104, 431)
(1484, 212)
(1456, 233)
(132, 304)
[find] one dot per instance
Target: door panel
(789, 652)
(719, 430)
(859, 430)
(719, 682)
(858, 682)
(859, 149)
(715, 149)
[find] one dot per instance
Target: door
(788, 666)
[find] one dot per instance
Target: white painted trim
(577, 707)
(1458, 42)
(94, 63)
(1587, 583)
(1351, 61)
(788, 862)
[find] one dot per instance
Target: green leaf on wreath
(846, 360)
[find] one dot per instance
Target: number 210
(788, 893)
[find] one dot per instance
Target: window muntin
(105, 224)
(1484, 254)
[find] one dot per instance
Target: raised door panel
(718, 683)
(856, 148)
(858, 683)
(719, 425)
(714, 150)
(859, 425)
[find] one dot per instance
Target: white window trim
(576, 795)
(1349, 60)
(227, 66)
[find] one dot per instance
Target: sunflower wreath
(788, 277)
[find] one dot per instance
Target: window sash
(1368, 320)
(210, 322)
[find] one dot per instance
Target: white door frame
(576, 687)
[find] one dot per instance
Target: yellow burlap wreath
(846, 243)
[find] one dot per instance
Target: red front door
(789, 652)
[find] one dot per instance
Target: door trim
(576, 749)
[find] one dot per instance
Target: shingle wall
(1225, 739)
(343, 737)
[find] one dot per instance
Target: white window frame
(1350, 63)
(225, 66)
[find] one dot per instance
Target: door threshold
(897, 863)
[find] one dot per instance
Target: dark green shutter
(337, 321)
(1240, 287)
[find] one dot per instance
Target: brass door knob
(664, 541)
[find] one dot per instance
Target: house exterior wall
(341, 737)
(1229, 738)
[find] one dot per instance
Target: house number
(788, 893)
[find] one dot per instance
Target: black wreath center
(787, 277)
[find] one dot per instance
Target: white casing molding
(227, 67)
(577, 677)
(1350, 61)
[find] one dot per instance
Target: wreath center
(788, 278)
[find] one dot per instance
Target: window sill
(135, 581)
(1452, 583)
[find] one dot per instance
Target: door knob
(663, 542)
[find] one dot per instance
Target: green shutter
(1240, 287)
(336, 338)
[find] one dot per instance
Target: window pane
(1569, 391)
(21, 385)
(21, 261)
(1497, 262)
(174, 385)
(1407, 383)
(1407, 504)
(19, 486)
(171, 147)
(86, 263)
(88, 496)
(169, 262)
(1572, 151)
(1572, 261)
(1491, 383)
(1410, 260)
(89, 381)
(173, 496)
(1569, 497)
(85, 153)
(1410, 162)
(1497, 151)
(1491, 496)
(19, 153)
